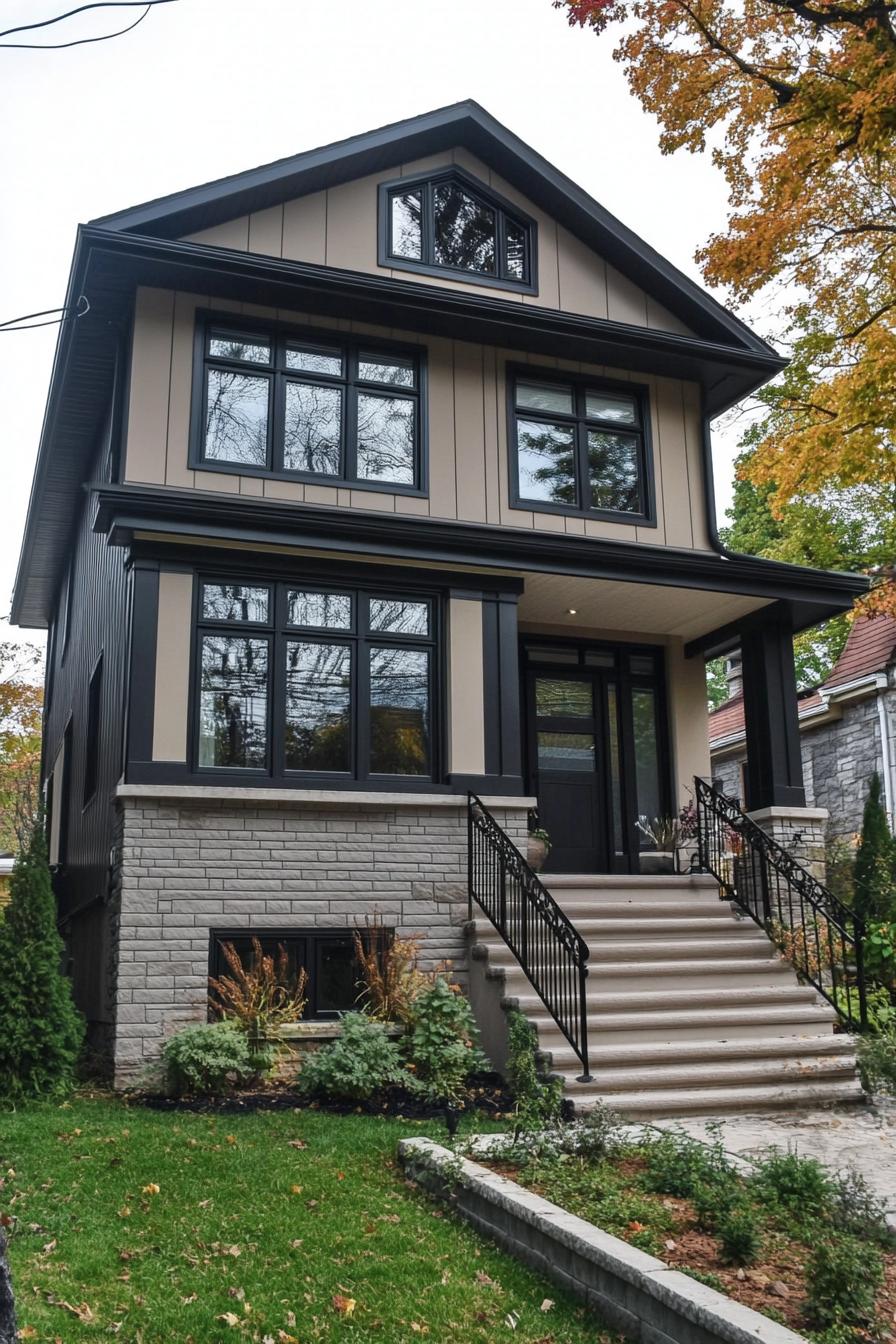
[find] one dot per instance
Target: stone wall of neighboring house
(839, 758)
(185, 867)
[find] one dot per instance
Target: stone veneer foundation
(191, 859)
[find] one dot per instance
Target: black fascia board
(124, 510)
(467, 124)
(726, 372)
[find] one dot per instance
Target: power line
(25, 323)
(145, 5)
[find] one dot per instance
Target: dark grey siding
(96, 613)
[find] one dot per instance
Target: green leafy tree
(21, 701)
(875, 871)
(41, 1031)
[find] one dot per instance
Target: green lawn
(178, 1227)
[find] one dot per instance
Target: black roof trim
(462, 124)
(122, 510)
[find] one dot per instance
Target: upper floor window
(580, 445)
(308, 405)
(451, 222)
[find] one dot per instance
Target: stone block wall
(187, 866)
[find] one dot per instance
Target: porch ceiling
(635, 609)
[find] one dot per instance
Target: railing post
(585, 1076)
(470, 798)
(702, 847)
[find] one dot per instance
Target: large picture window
(580, 446)
(310, 680)
(449, 221)
(309, 406)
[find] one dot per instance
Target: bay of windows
(306, 679)
(576, 447)
(451, 222)
(329, 410)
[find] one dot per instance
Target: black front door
(597, 751)
(568, 751)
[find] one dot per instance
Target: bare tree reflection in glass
(464, 230)
(395, 616)
(313, 430)
(318, 706)
(614, 471)
(233, 698)
(236, 419)
(546, 461)
(386, 432)
(234, 602)
(399, 711)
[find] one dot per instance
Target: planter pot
(652, 862)
(536, 853)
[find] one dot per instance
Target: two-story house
(370, 477)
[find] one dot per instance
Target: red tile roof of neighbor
(869, 648)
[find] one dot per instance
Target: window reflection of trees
(464, 230)
(385, 439)
(546, 456)
(399, 711)
(313, 429)
(233, 701)
(234, 602)
(613, 471)
(395, 617)
(318, 706)
(236, 422)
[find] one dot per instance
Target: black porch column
(774, 761)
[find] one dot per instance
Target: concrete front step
(675, 1002)
(719, 1100)
(714, 1073)
(563, 1059)
(667, 975)
(694, 1024)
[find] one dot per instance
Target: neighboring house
(370, 477)
(847, 729)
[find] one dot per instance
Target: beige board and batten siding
(467, 430)
(338, 227)
(466, 694)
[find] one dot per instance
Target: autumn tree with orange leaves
(796, 101)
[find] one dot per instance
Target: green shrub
(875, 871)
(680, 1166)
(538, 1101)
(212, 1057)
(738, 1231)
(843, 1276)
(361, 1063)
(857, 1211)
(41, 1031)
(441, 1046)
(798, 1184)
(598, 1132)
(714, 1201)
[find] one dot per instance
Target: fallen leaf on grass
(27, 1332)
(229, 1318)
(295, 1190)
(151, 1189)
(419, 1329)
(297, 1143)
(344, 1305)
(485, 1279)
(547, 1304)
(671, 1245)
(781, 1289)
(290, 1318)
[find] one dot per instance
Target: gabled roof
(467, 125)
(870, 649)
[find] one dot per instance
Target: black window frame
(480, 191)
(281, 335)
(312, 938)
(92, 740)
(581, 385)
(277, 632)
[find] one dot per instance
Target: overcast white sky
(203, 88)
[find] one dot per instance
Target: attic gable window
(450, 222)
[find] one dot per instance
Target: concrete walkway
(863, 1137)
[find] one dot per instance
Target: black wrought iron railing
(545, 942)
(819, 935)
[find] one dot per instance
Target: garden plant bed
(667, 1196)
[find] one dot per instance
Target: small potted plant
(538, 848)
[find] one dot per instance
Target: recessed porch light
(572, 611)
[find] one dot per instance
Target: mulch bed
(489, 1099)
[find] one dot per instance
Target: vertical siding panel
(176, 470)
(691, 406)
(373, 501)
(305, 228)
(625, 301)
(266, 231)
(150, 377)
(582, 277)
(670, 452)
(351, 224)
(294, 490)
(490, 427)
(468, 429)
(509, 517)
(232, 233)
(442, 445)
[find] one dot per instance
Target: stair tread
(661, 1052)
(710, 1073)
(750, 1014)
(744, 1097)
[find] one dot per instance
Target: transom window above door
(313, 406)
(306, 679)
(451, 222)
(578, 445)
